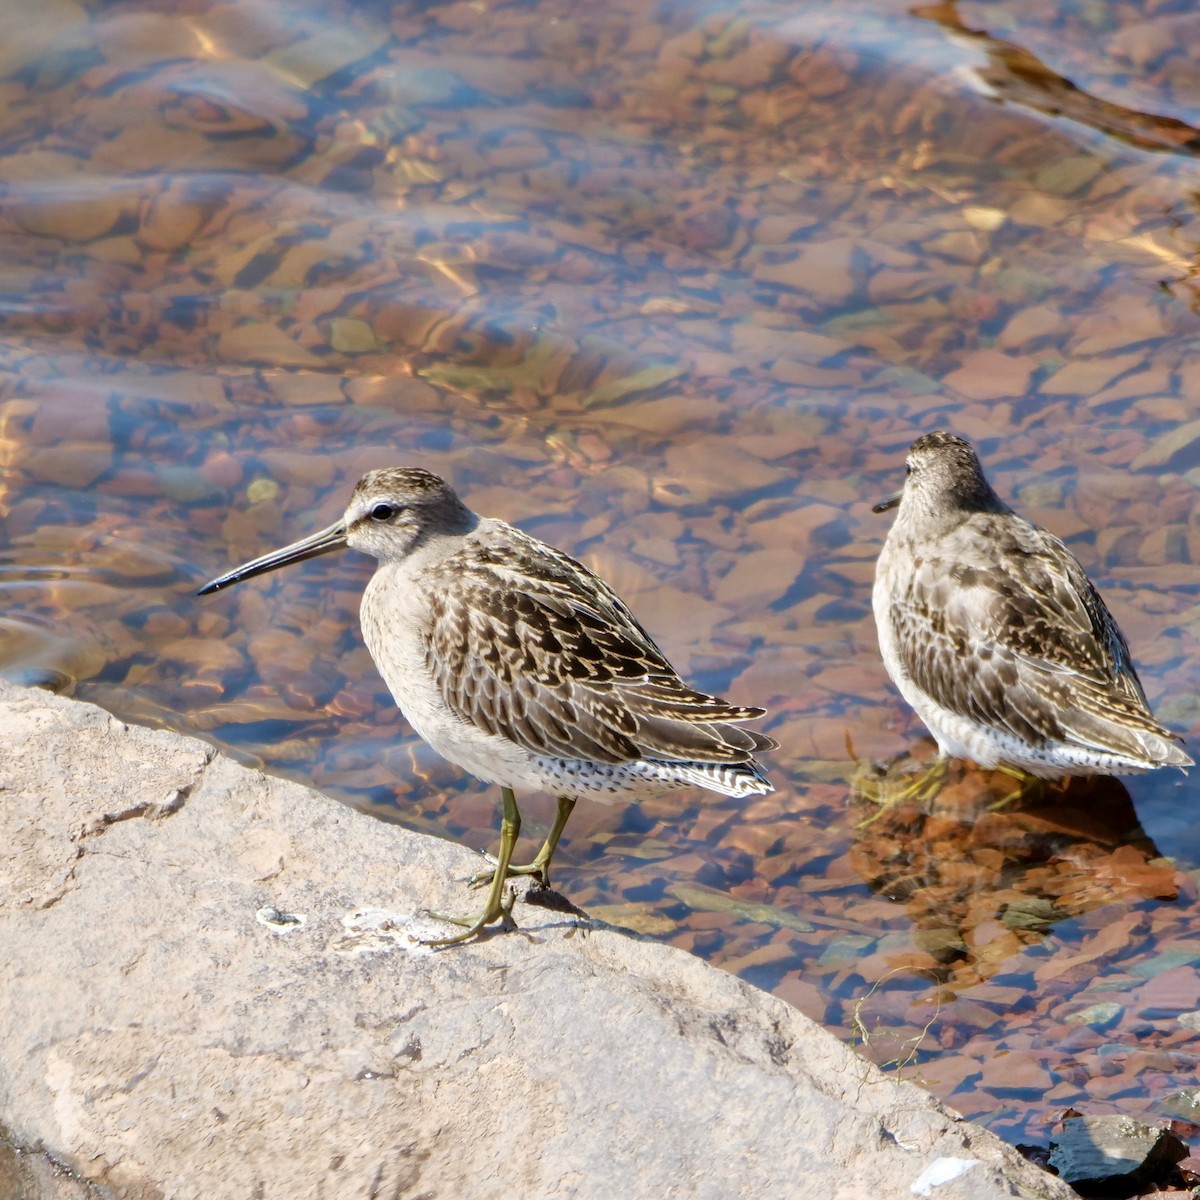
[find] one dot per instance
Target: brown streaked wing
(527, 643)
(1018, 649)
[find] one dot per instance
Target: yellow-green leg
(494, 908)
(539, 868)
(920, 788)
(1029, 785)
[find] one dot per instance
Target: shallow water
(674, 292)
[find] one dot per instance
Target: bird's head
(391, 513)
(943, 475)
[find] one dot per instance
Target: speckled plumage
(994, 634)
(522, 666)
(518, 664)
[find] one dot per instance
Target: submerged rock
(1113, 1155)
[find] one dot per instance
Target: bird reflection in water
(987, 864)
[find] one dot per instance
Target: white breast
(393, 616)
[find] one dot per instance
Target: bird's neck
(936, 513)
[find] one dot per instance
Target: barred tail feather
(730, 779)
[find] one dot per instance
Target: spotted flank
(646, 776)
(994, 634)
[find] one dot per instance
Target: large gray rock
(209, 989)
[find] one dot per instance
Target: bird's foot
(1027, 786)
(501, 910)
(537, 869)
(919, 788)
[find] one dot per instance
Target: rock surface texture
(209, 990)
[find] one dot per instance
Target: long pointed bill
(333, 538)
(892, 501)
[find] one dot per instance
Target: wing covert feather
(1029, 647)
(527, 643)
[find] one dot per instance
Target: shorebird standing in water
(518, 664)
(996, 637)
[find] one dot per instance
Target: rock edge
(212, 992)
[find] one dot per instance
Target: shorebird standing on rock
(518, 664)
(996, 637)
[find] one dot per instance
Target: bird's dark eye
(382, 512)
(907, 470)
